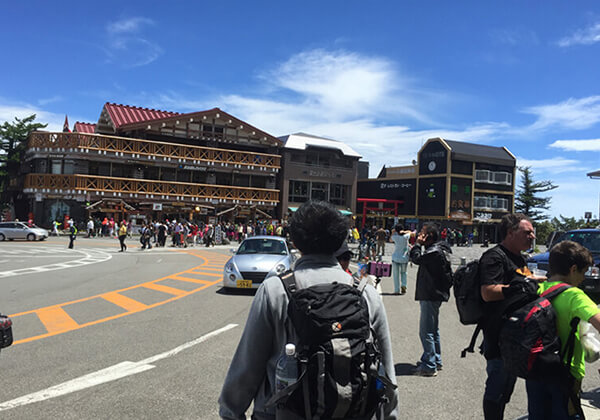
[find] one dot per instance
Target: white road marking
(109, 374)
(90, 258)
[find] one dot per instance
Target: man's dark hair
(565, 254)
(432, 231)
(398, 228)
(510, 222)
(318, 228)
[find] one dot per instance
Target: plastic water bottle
(286, 372)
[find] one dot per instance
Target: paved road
(150, 335)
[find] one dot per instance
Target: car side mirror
(232, 251)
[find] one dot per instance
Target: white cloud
(586, 36)
(126, 47)
(573, 113)
(592, 145)
(8, 112)
(514, 36)
(46, 101)
(127, 26)
(553, 165)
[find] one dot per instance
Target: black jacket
(434, 277)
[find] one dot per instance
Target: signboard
(432, 196)
(460, 198)
(588, 215)
(157, 206)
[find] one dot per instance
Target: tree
(13, 142)
(527, 199)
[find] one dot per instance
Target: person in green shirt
(568, 263)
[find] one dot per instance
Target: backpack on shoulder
(467, 293)
(340, 371)
(529, 343)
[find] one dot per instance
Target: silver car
(20, 230)
(256, 259)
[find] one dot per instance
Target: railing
(127, 187)
(150, 149)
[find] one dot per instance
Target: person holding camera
(434, 279)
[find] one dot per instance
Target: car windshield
(590, 240)
(262, 246)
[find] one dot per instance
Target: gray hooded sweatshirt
(251, 375)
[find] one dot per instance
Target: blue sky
(380, 76)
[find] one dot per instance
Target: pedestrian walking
(123, 235)
(381, 237)
(400, 258)
(498, 267)
(90, 228)
(434, 278)
(318, 230)
(55, 228)
(72, 235)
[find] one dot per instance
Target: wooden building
(146, 163)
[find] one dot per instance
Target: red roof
(82, 127)
(125, 114)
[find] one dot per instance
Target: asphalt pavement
(164, 349)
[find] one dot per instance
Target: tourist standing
(123, 235)
(400, 258)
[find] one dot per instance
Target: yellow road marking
(206, 274)
(189, 279)
(56, 319)
(165, 289)
(124, 302)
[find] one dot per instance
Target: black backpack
(467, 293)
(340, 370)
(529, 344)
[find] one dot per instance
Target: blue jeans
(429, 333)
(500, 384)
(399, 270)
(548, 401)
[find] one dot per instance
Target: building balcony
(150, 150)
(146, 189)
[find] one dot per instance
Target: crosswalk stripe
(189, 279)
(206, 274)
(165, 289)
(56, 319)
(124, 302)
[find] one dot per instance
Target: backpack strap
(569, 350)
(289, 283)
(471, 347)
(555, 291)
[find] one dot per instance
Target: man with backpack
(557, 396)
(345, 364)
(434, 279)
(498, 267)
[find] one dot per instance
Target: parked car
(589, 238)
(20, 230)
(257, 258)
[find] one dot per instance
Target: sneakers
(403, 290)
(419, 371)
(438, 366)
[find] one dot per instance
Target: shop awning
(292, 209)
(110, 201)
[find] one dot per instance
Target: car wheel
(2, 237)
(31, 237)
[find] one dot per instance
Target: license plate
(244, 284)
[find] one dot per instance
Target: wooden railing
(140, 188)
(150, 149)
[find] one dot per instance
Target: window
(56, 167)
(482, 175)
(298, 191)
(490, 203)
(338, 194)
(319, 191)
